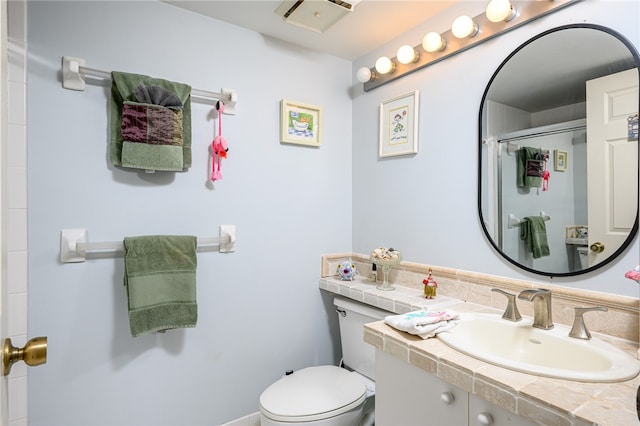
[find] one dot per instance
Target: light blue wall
(260, 309)
(290, 204)
(426, 205)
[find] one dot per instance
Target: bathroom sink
(549, 353)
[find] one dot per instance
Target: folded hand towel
(143, 90)
(160, 276)
(530, 165)
(425, 324)
(534, 232)
(152, 137)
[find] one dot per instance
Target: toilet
(583, 255)
(328, 394)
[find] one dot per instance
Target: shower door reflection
(562, 198)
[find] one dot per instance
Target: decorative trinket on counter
(347, 270)
(387, 258)
(430, 286)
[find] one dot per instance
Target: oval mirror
(558, 172)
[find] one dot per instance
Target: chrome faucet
(511, 311)
(579, 329)
(541, 298)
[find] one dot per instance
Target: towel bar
(74, 70)
(74, 247)
(514, 221)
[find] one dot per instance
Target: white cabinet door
(407, 395)
(483, 413)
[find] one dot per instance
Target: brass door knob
(597, 247)
(34, 353)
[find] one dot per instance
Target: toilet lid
(313, 393)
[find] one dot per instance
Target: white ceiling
(371, 24)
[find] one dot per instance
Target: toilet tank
(352, 315)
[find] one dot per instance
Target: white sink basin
(549, 353)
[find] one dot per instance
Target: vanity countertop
(540, 399)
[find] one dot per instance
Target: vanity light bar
(527, 12)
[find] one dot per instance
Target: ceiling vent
(315, 15)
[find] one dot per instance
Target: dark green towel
(160, 276)
(530, 163)
(534, 232)
(124, 88)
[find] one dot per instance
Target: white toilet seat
(312, 394)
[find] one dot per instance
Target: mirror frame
(632, 234)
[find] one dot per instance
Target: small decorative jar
(347, 270)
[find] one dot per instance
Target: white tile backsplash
(17, 146)
(17, 19)
(17, 230)
(17, 191)
(18, 397)
(17, 113)
(17, 321)
(16, 276)
(16, 208)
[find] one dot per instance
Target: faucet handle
(579, 329)
(511, 312)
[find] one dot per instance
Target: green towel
(534, 232)
(160, 276)
(123, 88)
(530, 162)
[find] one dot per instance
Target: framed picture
(399, 126)
(560, 159)
(300, 123)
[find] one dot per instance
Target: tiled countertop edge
(621, 321)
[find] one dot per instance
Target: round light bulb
(433, 42)
(363, 75)
(384, 65)
(407, 54)
(500, 10)
(463, 27)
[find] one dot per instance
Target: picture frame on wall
(399, 125)
(560, 160)
(300, 123)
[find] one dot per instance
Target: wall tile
(17, 321)
(17, 20)
(17, 230)
(17, 146)
(18, 398)
(17, 272)
(17, 191)
(16, 233)
(17, 113)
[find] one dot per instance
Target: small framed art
(399, 125)
(560, 159)
(300, 123)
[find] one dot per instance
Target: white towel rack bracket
(514, 221)
(74, 245)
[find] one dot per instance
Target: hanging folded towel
(534, 233)
(160, 276)
(423, 323)
(530, 167)
(150, 123)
